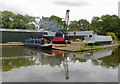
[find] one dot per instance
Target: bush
(114, 37)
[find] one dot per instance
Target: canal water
(23, 64)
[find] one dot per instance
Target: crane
(61, 35)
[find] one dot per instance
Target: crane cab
(59, 38)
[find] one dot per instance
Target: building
(80, 34)
(19, 35)
(89, 37)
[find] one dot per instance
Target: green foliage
(109, 61)
(80, 25)
(100, 25)
(0, 19)
(96, 25)
(106, 23)
(16, 21)
(60, 22)
(114, 37)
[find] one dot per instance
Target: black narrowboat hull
(103, 42)
(39, 46)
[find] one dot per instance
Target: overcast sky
(79, 9)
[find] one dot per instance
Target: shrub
(114, 37)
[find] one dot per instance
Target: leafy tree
(73, 25)
(114, 37)
(7, 17)
(14, 25)
(109, 61)
(101, 25)
(81, 25)
(96, 25)
(60, 22)
(106, 23)
(32, 26)
(17, 21)
(0, 19)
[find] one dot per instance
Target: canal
(23, 64)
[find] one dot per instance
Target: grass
(93, 48)
(81, 48)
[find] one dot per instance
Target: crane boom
(67, 17)
(61, 36)
(66, 24)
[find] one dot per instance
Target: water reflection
(12, 51)
(109, 61)
(24, 57)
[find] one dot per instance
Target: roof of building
(82, 33)
(21, 30)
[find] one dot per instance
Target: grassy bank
(12, 44)
(81, 47)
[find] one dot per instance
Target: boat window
(27, 41)
(35, 41)
(39, 41)
(32, 41)
(90, 35)
(42, 41)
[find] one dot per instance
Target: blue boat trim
(42, 43)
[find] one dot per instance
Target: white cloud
(76, 4)
(79, 9)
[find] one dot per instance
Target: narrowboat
(40, 43)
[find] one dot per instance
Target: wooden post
(74, 33)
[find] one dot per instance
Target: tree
(0, 19)
(73, 25)
(96, 25)
(60, 22)
(110, 23)
(14, 25)
(101, 25)
(114, 37)
(109, 61)
(7, 17)
(106, 23)
(17, 21)
(81, 25)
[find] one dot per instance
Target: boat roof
(81, 33)
(22, 30)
